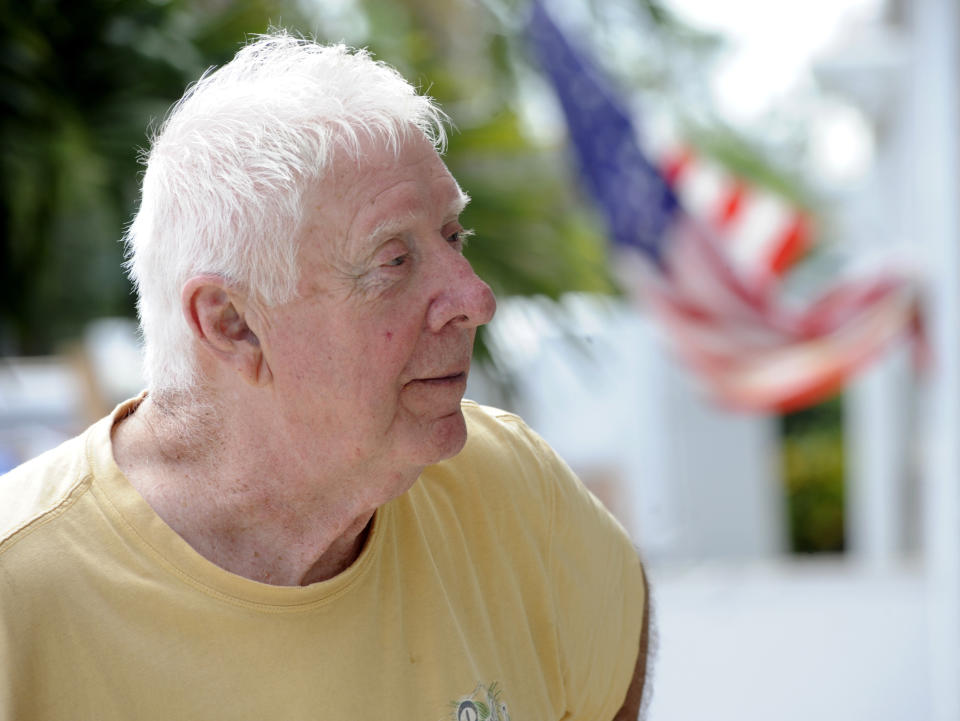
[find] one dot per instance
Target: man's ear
(217, 315)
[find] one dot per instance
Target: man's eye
(398, 261)
(459, 238)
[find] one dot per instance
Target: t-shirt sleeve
(599, 593)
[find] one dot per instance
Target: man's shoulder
(41, 487)
(497, 494)
(491, 428)
(503, 455)
(498, 438)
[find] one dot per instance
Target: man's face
(370, 361)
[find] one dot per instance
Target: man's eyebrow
(458, 205)
(392, 226)
(388, 227)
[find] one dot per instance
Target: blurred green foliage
(79, 83)
(813, 464)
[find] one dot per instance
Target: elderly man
(301, 519)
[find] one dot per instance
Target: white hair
(228, 170)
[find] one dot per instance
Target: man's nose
(463, 299)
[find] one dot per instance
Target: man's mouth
(440, 380)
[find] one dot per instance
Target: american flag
(760, 233)
(718, 299)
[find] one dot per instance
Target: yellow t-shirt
(496, 588)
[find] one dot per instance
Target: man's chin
(447, 437)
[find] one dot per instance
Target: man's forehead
(458, 203)
(373, 155)
(453, 208)
(364, 199)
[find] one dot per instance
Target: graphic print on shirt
(483, 704)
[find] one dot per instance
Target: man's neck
(236, 502)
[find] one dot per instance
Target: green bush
(813, 462)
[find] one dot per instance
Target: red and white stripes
(719, 305)
(761, 234)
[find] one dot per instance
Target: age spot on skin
(389, 335)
